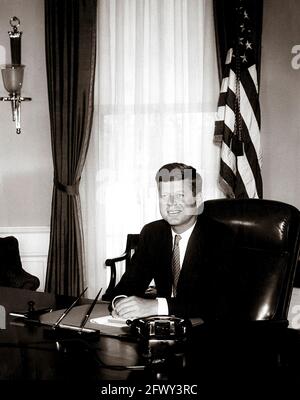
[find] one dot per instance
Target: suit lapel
(194, 248)
(169, 250)
(165, 259)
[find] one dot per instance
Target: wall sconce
(12, 74)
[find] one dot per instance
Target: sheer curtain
(156, 96)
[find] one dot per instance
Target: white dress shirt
(163, 308)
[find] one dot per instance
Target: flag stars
(246, 16)
(248, 45)
(244, 58)
(241, 40)
(242, 27)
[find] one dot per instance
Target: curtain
(155, 101)
(70, 57)
(224, 25)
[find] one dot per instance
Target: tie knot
(177, 239)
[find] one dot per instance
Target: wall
(26, 171)
(280, 105)
(25, 159)
(280, 101)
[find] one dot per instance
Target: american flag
(237, 126)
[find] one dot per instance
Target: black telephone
(162, 341)
(161, 327)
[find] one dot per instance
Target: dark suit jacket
(153, 260)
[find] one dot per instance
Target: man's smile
(174, 212)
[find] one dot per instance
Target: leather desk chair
(258, 283)
(11, 272)
(252, 288)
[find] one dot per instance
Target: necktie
(176, 263)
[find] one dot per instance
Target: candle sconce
(12, 75)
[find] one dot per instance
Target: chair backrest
(131, 246)
(266, 237)
(12, 273)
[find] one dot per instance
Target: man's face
(177, 204)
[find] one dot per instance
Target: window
(156, 97)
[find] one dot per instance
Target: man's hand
(135, 307)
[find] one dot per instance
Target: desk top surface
(26, 354)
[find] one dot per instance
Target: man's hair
(178, 171)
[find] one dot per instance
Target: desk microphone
(60, 332)
(66, 312)
(89, 311)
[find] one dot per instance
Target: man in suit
(180, 238)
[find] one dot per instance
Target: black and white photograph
(149, 198)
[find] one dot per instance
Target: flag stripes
(237, 125)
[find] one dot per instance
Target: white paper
(108, 320)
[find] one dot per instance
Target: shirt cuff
(163, 308)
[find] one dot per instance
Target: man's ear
(199, 199)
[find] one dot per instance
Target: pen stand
(69, 332)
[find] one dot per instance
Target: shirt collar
(184, 235)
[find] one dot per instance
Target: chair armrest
(234, 328)
(111, 262)
(270, 323)
(256, 324)
(22, 279)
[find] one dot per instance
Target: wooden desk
(27, 357)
